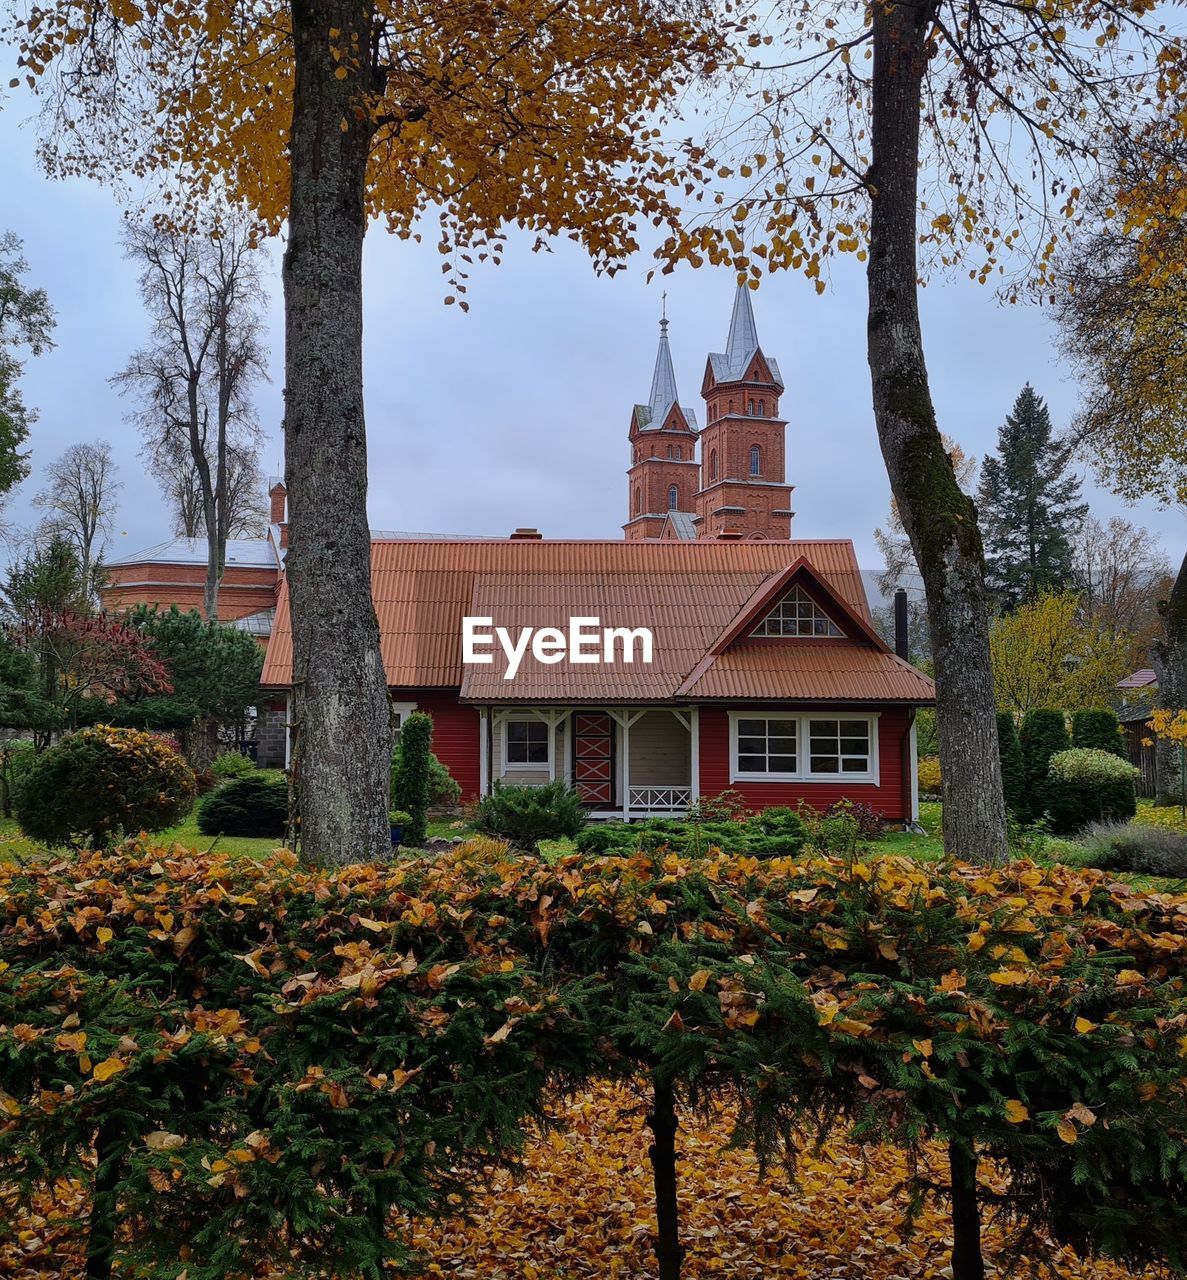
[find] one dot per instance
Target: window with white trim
(766, 745)
(797, 614)
(527, 744)
(778, 746)
(400, 712)
(839, 747)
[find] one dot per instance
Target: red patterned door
(593, 758)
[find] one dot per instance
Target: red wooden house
(766, 674)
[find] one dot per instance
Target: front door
(593, 758)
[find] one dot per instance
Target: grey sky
(517, 412)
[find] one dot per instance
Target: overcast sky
(517, 412)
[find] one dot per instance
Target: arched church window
(638, 502)
(750, 407)
(713, 464)
(673, 498)
(679, 453)
(762, 408)
(755, 460)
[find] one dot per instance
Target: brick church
(737, 488)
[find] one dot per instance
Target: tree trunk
(104, 1202)
(663, 1125)
(967, 1262)
(940, 520)
(341, 710)
(1170, 662)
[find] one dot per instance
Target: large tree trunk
(1170, 662)
(940, 520)
(341, 711)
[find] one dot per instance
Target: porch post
(626, 766)
(552, 746)
(483, 752)
(288, 730)
(694, 747)
(914, 760)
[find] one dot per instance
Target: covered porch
(625, 762)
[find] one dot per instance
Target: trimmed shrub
(101, 783)
(411, 775)
(1085, 785)
(1133, 846)
(254, 805)
(444, 790)
(775, 832)
(1009, 749)
(929, 776)
(232, 764)
(524, 815)
(1044, 733)
(1098, 728)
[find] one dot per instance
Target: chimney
(278, 496)
(901, 643)
(527, 535)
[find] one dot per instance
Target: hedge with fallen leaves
(281, 1066)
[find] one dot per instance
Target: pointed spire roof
(663, 380)
(742, 343)
(653, 414)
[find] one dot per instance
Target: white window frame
(873, 776)
(797, 596)
(403, 710)
(527, 766)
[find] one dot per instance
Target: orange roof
(687, 593)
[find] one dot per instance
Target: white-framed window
(400, 712)
(527, 744)
(797, 614)
(755, 460)
(782, 746)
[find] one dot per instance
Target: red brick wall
(891, 798)
(243, 591)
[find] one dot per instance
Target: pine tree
(1030, 508)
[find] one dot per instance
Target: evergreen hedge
(1099, 729)
(1009, 747)
(1085, 785)
(277, 1068)
(412, 776)
(1044, 733)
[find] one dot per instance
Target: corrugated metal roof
(1139, 679)
(810, 670)
(686, 592)
(245, 552)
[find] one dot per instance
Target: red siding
(890, 797)
(455, 734)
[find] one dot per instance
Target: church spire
(663, 380)
(742, 342)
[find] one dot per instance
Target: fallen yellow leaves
(582, 1208)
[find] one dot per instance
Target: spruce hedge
(1044, 733)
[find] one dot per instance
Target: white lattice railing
(668, 799)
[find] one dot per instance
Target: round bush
(929, 776)
(1087, 785)
(101, 783)
(232, 764)
(524, 815)
(254, 805)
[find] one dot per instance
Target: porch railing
(667, 799)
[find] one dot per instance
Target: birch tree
(78, 498)
(195, 376)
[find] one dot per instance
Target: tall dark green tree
(26, 320)
(1029, 506)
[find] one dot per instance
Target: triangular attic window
(797, 614)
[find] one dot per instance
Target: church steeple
(663, 380)
(663, 475)
(744, 492)
(742, 342)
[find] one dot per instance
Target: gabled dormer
(799, 615)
